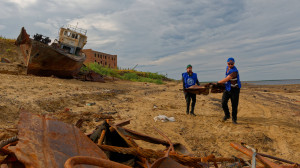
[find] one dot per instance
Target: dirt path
(269, 116)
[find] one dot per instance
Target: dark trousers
(188, 98)
(233, 95)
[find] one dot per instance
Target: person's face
(189, 69)
(230, 64)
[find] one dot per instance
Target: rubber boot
(192, 111)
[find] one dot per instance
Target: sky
(164, 36)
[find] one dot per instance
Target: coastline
(274, 82)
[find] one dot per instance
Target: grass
(9, 50)
(131, 75)
(6, 40)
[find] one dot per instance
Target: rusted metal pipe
(76, 160)
(121, 124)
(249, 153)
(166, 137)
(101, 139)
(149, 153)
(8, 141)
(140, 136)
(276, 158)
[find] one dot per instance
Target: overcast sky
(165, 35)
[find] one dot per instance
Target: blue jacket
(228, 84)
(189, 80)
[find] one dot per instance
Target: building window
(95, 61)
(105, 56)
(105, 63)
(101, 62)
(95, 54)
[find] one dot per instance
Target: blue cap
(230, 59)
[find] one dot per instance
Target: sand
(268, 116)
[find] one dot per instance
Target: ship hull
(44, 60)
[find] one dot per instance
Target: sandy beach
(268, 116)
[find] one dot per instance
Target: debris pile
(45, 142)
(89, 76)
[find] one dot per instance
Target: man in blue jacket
(189, 79)
(232, 90)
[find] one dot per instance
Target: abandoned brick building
(100, 58)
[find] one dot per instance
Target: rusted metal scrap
(119, 144)
(198, 90)
(78, 160)
(266, 162)
(166, 161)
(217, 88)
(45, 142)
(204, 90)
(48, 143)
(89, 76)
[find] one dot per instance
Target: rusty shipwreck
(63, 58)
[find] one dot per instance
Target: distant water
(274, 82)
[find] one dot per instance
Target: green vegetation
(5, 40)
(9, 50)
(131, 75)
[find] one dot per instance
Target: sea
(274, 82)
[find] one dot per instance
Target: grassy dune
(9, 50)
(131, 75)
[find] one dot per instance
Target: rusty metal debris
(122, 145)
(8, 141)
(198, 90)
(45, 142)
(217, 88)
(89, 76)
(77, 160)
(266, 162)
(5, 60)
(204, 90)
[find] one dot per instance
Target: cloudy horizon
(164, 36)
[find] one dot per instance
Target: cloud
(164, 36)
(23, 3)
(95, 21)
(2, 27)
